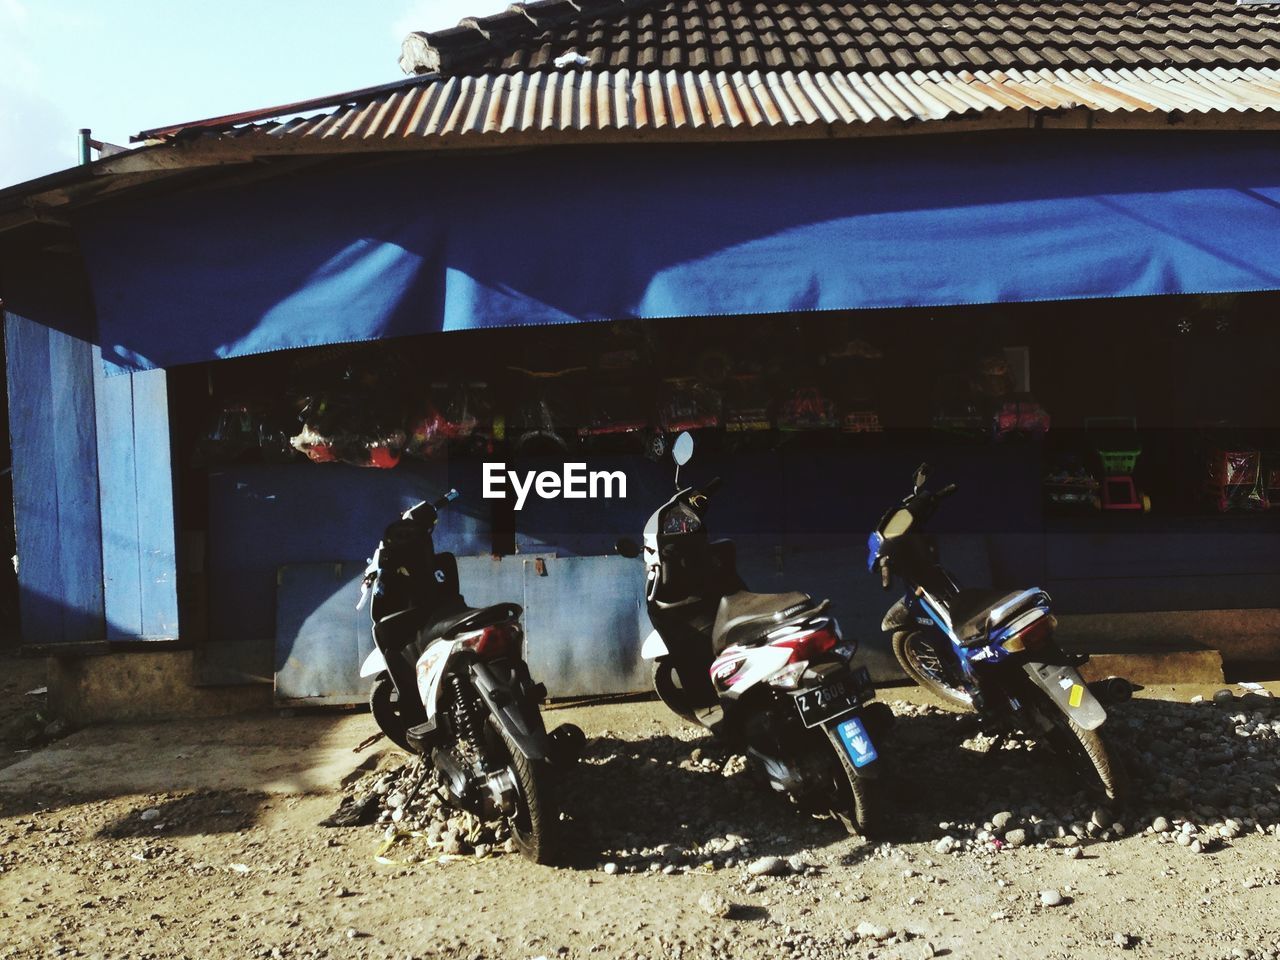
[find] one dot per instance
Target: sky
(121, 66)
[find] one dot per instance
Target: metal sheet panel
(584, 620)
(581, 105)
(321, 639)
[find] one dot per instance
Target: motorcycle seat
(464, 618)
(744, 618)
(969, 610)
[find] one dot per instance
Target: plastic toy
(1116, 441)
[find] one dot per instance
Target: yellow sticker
(1077, 695)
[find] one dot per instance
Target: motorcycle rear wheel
(918, 656)
(534, 824)
(863, 812)
(386, 712)
(1085, 751)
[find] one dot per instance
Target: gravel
(1204, 774)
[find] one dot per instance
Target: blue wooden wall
(93, 493)
(135, 489)
(55, 489)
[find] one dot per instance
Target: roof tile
(837, 36)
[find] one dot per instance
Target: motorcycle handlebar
(712, 487)
(447, 499)
(947, 491)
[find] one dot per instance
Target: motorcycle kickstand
(427, 771)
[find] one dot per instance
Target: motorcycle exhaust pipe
(1112, 690)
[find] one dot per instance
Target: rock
(768, 867)
(57, 729)
(150, 814)
(715, 905)
(1075, 853)
(453, 845)
(796, 863)
(1183, 839)
(866, 930)
(1160, 825)
(1122, 940)
(946, 845)
(1101, 818)
(1001, 820)
(1224, 698)
(1016, 837)
(1051, 898)
(610, 868)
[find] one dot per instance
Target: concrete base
(1242, 636)
(1172, 647)
(267, 754)
(138, 685)
(1156, 666)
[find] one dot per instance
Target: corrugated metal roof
(578, 105)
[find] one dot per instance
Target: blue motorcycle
(992, 652)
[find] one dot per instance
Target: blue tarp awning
(464, 241)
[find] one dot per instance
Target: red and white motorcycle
(769, 673)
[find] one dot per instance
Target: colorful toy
(1116, 441)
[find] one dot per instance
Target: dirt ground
(88, 870)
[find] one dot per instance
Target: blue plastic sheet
(456, 242)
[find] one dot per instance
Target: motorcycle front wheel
(386, 712)
(918, 655)
(534, 822)
(667, 685)
(1085, 751)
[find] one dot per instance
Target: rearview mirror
(627, 547)
(682, 449)
(922, 474)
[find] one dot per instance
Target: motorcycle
(992, 652)
(450, 684)
(767, 673)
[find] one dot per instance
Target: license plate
(817, 706)
(857, 743)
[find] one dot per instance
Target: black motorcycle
(768, 673)
(988, 651)
(450, 684)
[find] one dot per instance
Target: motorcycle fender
(653, 647)
(897, 617)
(1068, 690)
(430, 672)
(518, 717)
(850, 737)
(373, 664)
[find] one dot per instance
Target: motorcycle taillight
(1035, 634)
(494, 642)
(807, 641)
